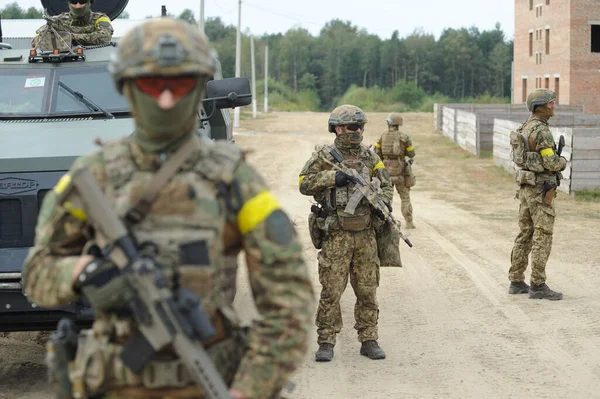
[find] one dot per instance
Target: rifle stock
(163, 317)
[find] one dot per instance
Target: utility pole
(238, 60)
(253, 77)
(201, 19)
(266, 79)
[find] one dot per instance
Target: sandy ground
(447, 324)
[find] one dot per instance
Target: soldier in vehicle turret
(85, 26)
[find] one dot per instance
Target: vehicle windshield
(35, 91)
(24, 91)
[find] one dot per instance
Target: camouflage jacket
(539, 139)
(96, 30)
(317, 177)
(392, 147)
(191, 210)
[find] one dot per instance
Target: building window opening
(547, 41)
(530, 44)
(524, 90)
(547, 83)
(547, 2)
(557, 88)
(530, 5)
(595, 38)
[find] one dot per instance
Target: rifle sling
(142, 207)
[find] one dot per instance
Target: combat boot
(542, 291)
(518, 287)
(372, 350)
(324, 353)
(410, 225)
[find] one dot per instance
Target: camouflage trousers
(406, 206)
(348, 254)
(536, 221)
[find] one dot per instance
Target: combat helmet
(394, 119)
(539, 97)
(162, 47)
(346, 115)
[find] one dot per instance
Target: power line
(288, 16)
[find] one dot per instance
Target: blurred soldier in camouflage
(87, 28)
(215, 205)
(349, 248)
(393, 147)
(534, 152)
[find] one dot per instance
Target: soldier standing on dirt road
(393, 147)
(538, 176)
(349, 248)
(213, 206)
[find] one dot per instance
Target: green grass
(587, 196)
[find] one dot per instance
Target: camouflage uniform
(349, 248)
(392, 148)
(536, 218)
(214, 207)
(92, 28)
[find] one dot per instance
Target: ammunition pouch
(99, 366)
(355, 223)
(388, 244)
(525, 177)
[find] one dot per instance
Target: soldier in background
(534, 152)
(214, 206)
(349, 248)
(87, 28)
(393, 147)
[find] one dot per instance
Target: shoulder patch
(279, 228)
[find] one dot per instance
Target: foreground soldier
(393, 147)
(349, 247)
(534, 152)
(87, 28)
(215, 205)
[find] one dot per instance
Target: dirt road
(447, 324)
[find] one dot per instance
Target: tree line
(460, 65)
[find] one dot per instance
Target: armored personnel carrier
(53, 104)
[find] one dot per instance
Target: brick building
(557, 46)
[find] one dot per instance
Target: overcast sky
(380, 17)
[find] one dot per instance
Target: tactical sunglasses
(179, 86)
(354, 127)
(79, 1)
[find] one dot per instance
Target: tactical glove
(103, 285)
(379, 214)
(343, 179)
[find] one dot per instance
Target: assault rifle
(163, 316)
(369, 191)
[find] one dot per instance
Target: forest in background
(347, 64)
